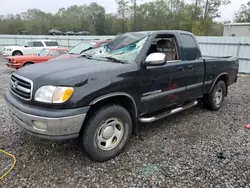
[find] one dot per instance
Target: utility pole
(134, 2)
(206, 7)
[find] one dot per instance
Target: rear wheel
(215, 99)
(17, 53)
(107, 132)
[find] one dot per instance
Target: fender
(113, 95)
(216, 79)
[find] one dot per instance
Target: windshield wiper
(114, 59)
(87, 56)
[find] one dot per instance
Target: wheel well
(123, 101)
(29, 62)
(225, 79)
(16, 51)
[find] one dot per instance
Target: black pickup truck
(101, 96)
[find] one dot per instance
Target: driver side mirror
(25, 45)
(156, 59)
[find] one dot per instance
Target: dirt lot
(195, 148)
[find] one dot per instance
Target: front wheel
(107, 132)
(27, 64)
(215, 99)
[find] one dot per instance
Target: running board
(168, 113)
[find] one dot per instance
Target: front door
(163, 86)
(28, 48)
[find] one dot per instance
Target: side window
(29, 44)
(165, 44)
(61, 52)
(54, 53)
(103, 44)
(38, 44)
(51, 43)
(189, 46)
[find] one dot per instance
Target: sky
(18, 6)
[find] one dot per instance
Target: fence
(66, 41)
(210, 46)
(227, 46)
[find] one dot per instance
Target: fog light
(40, 126)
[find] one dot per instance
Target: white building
(237, 29)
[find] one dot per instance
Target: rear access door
(195, 66)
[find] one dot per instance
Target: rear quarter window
(51, 43)
(190, 47)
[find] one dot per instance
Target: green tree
(197, 17)
(243, 14)
(122, 11)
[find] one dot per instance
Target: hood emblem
(15, 84)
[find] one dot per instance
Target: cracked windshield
(124, 48)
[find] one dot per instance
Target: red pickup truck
(81, 47)
(46, 54)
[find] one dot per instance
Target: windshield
(125, 47)
(81, 47)
(44, 52)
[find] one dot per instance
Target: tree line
(198, 17)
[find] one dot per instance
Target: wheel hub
(108, 132)
(218, 96)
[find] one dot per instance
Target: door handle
(190, 67)
(179, 69)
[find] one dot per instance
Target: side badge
(152, 92)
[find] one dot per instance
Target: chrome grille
(20, 86)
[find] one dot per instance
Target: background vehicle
(83, 33)
(69, 33)
(100, 97)
(81, 47)
(46, 54)
(30, 48)
(55, 32)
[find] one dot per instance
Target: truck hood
(66, 56)
(70, 71)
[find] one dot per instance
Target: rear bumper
(52, 124)
(6, 53)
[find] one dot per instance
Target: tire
(215, 99)
(17, 53)
(99, 139)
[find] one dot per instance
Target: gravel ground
(195, 148)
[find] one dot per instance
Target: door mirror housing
(26, 45)
(156, 59)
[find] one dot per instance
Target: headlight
(53, 94)
(8, 49)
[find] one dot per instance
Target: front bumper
(13, 65)
(53, 124)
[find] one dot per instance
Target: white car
(30, 48)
